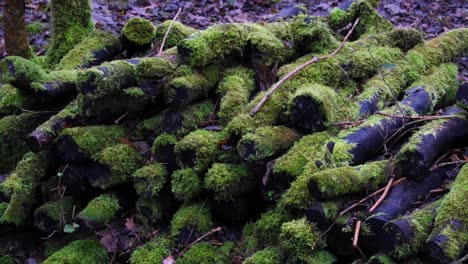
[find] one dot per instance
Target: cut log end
(307, 114)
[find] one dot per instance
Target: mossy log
(149, 180)
(270, 255)
(266, 143)
(227, 181)
(12, 100)
(44, 134)
(52, 216)
(191, 86)
(81, 143)
(153, 74)
(335, 182)
(177, 122)
(138, 35)
(21, 185)
(186, 185)
(205, 252)
(95, 49)
(153, 251)
(13, 130)
(380, 259)
(80, 252)
(449, 238)
(177, 33)
(410, 232)
(323, 214)
(399, 200)
(190, 221)
(108, 78)
(418, 155)
(359, 144)
(163, 151)
(71, 24)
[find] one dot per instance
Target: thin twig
(384, 194)
(368, 197)
(449, 163)
(461, 261)
(323, 234)
(37, 112)
(167, 32)
(201, 238)
(357, 229)
(117, 121)
(419, 117)
(299, 69)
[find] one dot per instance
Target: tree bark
(16, 40)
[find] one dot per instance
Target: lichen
(205, 253)
(266, 142)
(11, 100)
(346, 180)
(122, 160)
(197, 150)
(84, 53)
(186, 184)
(195, 217)
(139, 31)
(271, 255)
(177, 33)
(101, 209)
(71, 23)
(297, 237)
(228, 180)
(153, 252)
(80, 252)
(149, 180)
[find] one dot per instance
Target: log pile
(103, 140)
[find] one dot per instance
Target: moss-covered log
(98, 212)
(400, 199)
(71, 24)
(235, 90)
(153, 251)
(80, 252)
(190, 221)
(11, 100)
(186, 185)
(138, 34)
(323, 214)
(80, 143)
(191, 86)
(449, 238)
(52, 216)
(266, 143)
(13, 131)
(21, 187)
(332, 183)
(410, 232)
(270, 255)
(227, 181)
(418, 155)
(178, 122)
(43, 135)
(177, 33)
(95, 49)
(149, 180)
(357, 145)
(153, 74)
(163, 151)
(205, 252)
(198, 150)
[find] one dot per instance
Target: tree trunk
(16, 40)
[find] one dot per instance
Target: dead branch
(368, 197)
(419, 117)
(299, 69)
(381, 198)
(219, 228)
(449, 163)
(356, 233)
(168, 30)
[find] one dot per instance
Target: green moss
(338, 17)
(228, 180)
(163, 141)
(235, 89)
(7, 260)
(312, 34)
(195, 217)
(266, 142)
(297, 238)
(93, 139)
(265, 231)
(20, 72)
(71, 23)
(321, 257)
(21, 184)
(205, 253)
(80, 252)
(190, 118)
(186, 184)
(197, 150)
(149, 180)
(367, 62)
(36, 27)
(177, 33)
(83, 54)
(270, 255)
(11, 100)
(69, 112)
(149, 210)
(346, 180)
(58, 212)
(101, 209)
(3, 207)
(153, 252)
(297, 196)
(122, 160)
(380, 259)
(371, 21)
(139, 31)
(155, 68)
(304, 151)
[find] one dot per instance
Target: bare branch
(382, 198)
(357, 230)
(219, 228)
(167, 32)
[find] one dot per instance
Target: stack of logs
(105, 129)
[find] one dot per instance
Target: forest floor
(431, 17)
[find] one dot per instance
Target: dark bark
(243, 208)
(399, 200)
(425, 147)
(323, 214)
(438, 247)
(16, 39)
(340, 237)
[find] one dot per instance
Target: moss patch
(79, 252)
(205, 253)
(228, 180)
(197, 150)
(101, 209)
(149, 180)
(194, 217)
(297, 238)
(186, 184)
(139, 31)
(177, 33)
